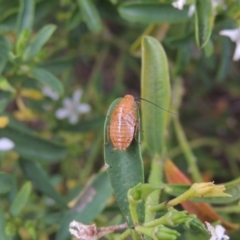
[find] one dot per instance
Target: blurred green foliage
(62, 63)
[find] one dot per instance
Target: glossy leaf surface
(48, 79)
(155, 87)
(203, 21)
(25, 15)
(90, 15)
(39, 178)
(125, 169)
(32, 147)
(21, 199)
(41, 38)
(89, 205)
(152, 12)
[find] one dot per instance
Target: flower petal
(83, 108)
(62, 113)
(191, 10)
(48, 92)
(219, 230)
(67, 102)
(179, 4)
(233, 34)
(77, 95)
(236, 55)
(73, 118)
(6, 144)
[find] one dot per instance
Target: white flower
(48, 92)
(191, 10)
(6, 144)
(216, 232)
(179, 4)
(234, 35)
(72, 108)
(215, 4)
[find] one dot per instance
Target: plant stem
(155, 179)
(124, 235)
(133, 211)
(191, 159)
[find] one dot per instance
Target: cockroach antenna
(155, 105)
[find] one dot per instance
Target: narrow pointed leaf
(89, 205)
(125, 169)
(155, 87)
(39, 178)
(25, 15)
(48, 79)
(32, 147)
(42, 37)
(204, 211)
(90, 15)
(203, 21)
(21, 199)
(148, 13)
(232, 188)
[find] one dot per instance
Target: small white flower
(191, 10)
(215, 4)
(72, 108)
(234, 35)
(179, 4)
(6, 144)
(48, 92)
(216, 232)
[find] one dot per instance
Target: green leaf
(90, 204)
(39, 178)
(22, 41)
(209, 48)
(155, 87)
(32, 147)
(232, 188)
(5, 85)
(125, 169)
(21, 199)
(225, 57)
(25, 15)
(203, 21)
(148, 13)
(41, 38)
(47, 78)
(90, 15)
(6, 183)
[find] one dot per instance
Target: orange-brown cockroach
(124, 123)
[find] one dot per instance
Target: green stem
(124, 235)
(133, 211)
(228, 210)
(191, 159)
(135, 235)
(155, 179)
(158, 207)
(196, 143)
